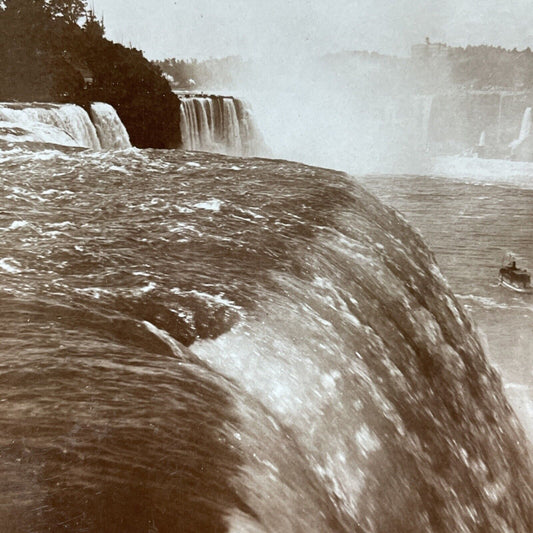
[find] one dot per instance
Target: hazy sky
(211, 28)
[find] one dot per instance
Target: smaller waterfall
(219, 124)
(482, 139)
(525, 130)
(111, 132)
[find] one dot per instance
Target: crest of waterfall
(64, 124)
(111, 132)
(219, 124)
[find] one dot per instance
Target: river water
(195, 343)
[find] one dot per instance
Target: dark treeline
(209, 73)
(55, 51)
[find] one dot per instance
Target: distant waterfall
(111, 132)
(219, 124)
(525, 130)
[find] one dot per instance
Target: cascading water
(111, 132)
(219, 124)
(525, 130)
(63, 124)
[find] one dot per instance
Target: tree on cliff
(45, 54)
(32, 65)
(70, 11)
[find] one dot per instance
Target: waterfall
(219, 124)
(525, 130)
(231, 132)
(482, 139)
(111, 132)
(65, 124)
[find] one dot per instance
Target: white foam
(178, 349)
(18, 224)
(209, 205)
(147, 288)
(209, 299)
(10, 265)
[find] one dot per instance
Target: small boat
(514, 278)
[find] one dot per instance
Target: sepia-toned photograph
(265, 266)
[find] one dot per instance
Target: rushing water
(219, 124)
(199, 343)
(62, 124)
(471, 220)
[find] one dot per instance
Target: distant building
(429, 50)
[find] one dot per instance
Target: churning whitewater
(62, 124)
(194, 342)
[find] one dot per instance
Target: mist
(340, 112)
(352, 112)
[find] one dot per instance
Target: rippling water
(200, 343)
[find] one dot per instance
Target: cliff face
(135, 88)
(48, 59)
